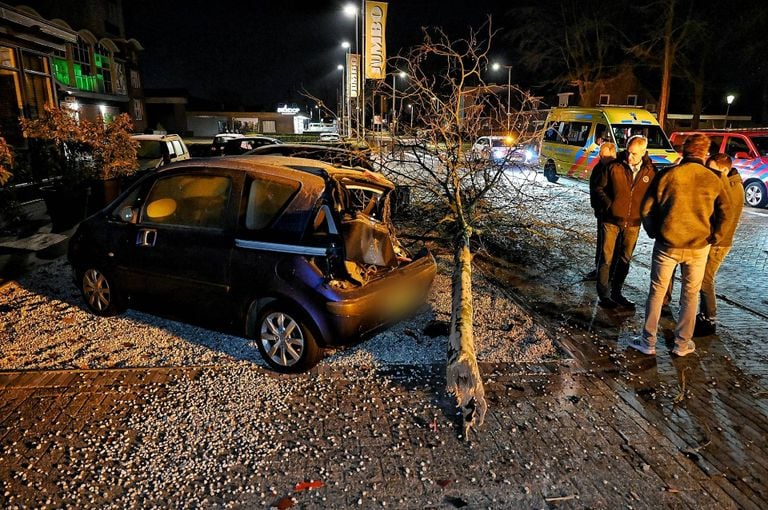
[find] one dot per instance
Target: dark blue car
(299, 253)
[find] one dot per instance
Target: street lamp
(410, 107)
(394, 92)
(496, 66)
(728, 99)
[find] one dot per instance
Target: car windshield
(761, 144)
(656, 137)
(148, 149)
(499, 142)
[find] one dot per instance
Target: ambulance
(572, 136)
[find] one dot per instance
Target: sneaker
(622, 301)
(704, 326)
(607, 303)
(684, 349)
(639, 344)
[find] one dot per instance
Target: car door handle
(146, 237)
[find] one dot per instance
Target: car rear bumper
(364, 309)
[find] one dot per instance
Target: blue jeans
(692, 263)
(708, 304)
(618, 243)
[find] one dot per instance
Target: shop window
(604, 99)
(38, 89)
(103, 60)
(81, 58)
(10, 96)
(632, 100)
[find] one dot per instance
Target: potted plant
(87, 159)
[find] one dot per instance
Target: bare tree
(570, 42)
(447, 105)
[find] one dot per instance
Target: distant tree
(675, 26)
(572, 42)
(460, 192)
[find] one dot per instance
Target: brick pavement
(556, 436)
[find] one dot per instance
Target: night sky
(260, 53)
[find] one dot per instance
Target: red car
(749, 150)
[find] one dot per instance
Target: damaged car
(298, 254)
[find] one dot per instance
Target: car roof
(337, 155)
(282, 164)
(710, 131)
(246, 138)
(156, 137)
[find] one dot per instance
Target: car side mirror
(128, 214)
(741, 155)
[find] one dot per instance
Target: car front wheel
(100, 292)
(285, 341)
(755, 194)
(550, 172)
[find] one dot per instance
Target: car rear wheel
(755, 194)
(285, 340)
(100, 293)
(550, 172)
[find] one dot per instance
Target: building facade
(72, 54)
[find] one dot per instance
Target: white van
(572, 137)
(158, 150)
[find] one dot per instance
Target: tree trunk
(462, 373)
(666, 70)
(699, 82)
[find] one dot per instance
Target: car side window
(266, 198)
(576, 133)
(177, 148)
(736, 144)
(189, 201)
(715, 142)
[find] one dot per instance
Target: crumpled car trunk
(368, 242)
(371, 249)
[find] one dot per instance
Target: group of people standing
(691, 210)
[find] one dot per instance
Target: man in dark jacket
(606, 157)
(721, 165)
(619, 193)
(684, 211)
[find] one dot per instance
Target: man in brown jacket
(684, 211)
(618, 193)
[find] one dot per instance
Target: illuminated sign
(288, 110)
(353, 74)
(375, 42)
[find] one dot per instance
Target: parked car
(241, 145)
(157, 150)
(217, 144)
(502, 150)
(749, 150)
(495, 149)
(300, 256)
(329, 137)
(333, 155)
